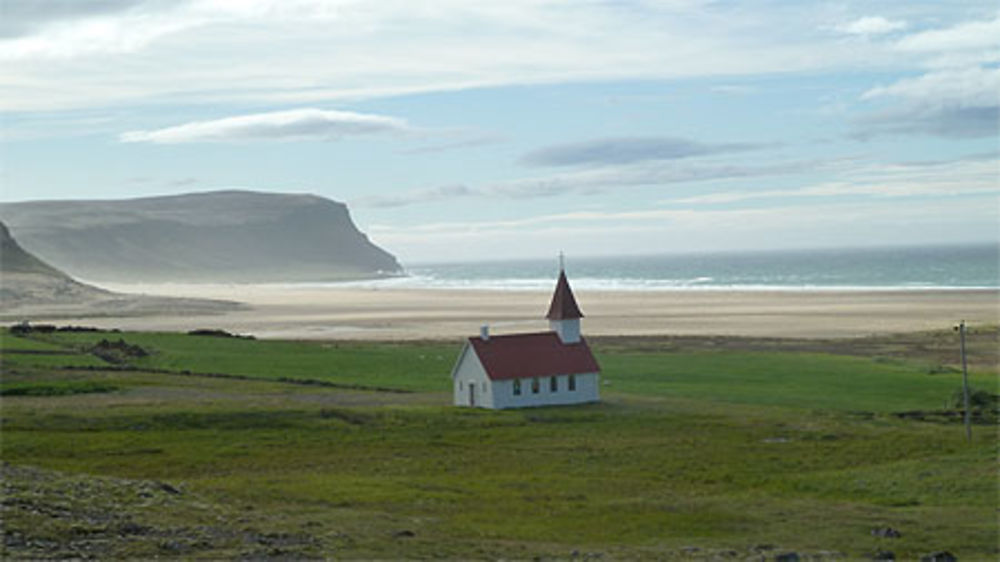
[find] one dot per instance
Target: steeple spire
(563, 306)
(564, 314)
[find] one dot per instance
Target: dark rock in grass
(13, 539)
(173, 546)
(787, 557)
(886, 532)
(404, 534)
(168, 488)
(883, 555)
(940, 556)
(130, 528)
(118, 351)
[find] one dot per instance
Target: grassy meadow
(211, 447)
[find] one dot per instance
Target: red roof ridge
(520, 335)
(533, 354)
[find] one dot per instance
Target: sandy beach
(324, 312)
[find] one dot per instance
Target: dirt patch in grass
(938, 350)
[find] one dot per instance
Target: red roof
(563, 305)
(543, 354)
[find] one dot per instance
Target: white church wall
(587, 390)
(469, 381)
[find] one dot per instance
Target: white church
(535, 369)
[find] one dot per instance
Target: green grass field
(692, 454)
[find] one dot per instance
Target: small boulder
(940, 556)
(787, 557)
(169, 489)
(886, 532)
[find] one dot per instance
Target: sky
(468, 130)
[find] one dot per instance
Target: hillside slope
(26, 279)
(223, 236)
(31, 288)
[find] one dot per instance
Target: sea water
(900, 268)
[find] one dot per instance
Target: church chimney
(484, 332)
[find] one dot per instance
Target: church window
(517, 387)
(553, 384)
(572, 382)
(535, 386)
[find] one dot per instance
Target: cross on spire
(562, 262)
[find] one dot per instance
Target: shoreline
(519, 286)
(378, 313)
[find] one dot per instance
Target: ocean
(901, 268)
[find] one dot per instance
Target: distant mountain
(222, 236)
(31, 288)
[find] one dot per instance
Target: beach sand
(360, 312)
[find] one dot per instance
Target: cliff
(223, 236)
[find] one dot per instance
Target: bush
(979, 399)
(55, 389)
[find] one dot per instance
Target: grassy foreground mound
(203, 447)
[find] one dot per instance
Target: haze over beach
(845, 293)
(460, 133)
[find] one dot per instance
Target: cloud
(465, 139)
(974, 86)
(972, 175)
(955, 98)
(871, 25)
(951, 122)
(601, 180)
(594, 181)
(626, 150)
(735, 89)
(964, 36)
(58, 32)
(21, 17)
(306, 51)
(441, 193)
(686, 229)
(296, 124)
(953, 103)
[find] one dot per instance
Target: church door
(472, 394)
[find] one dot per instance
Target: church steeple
(564, 314)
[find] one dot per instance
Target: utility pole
(965, 382)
